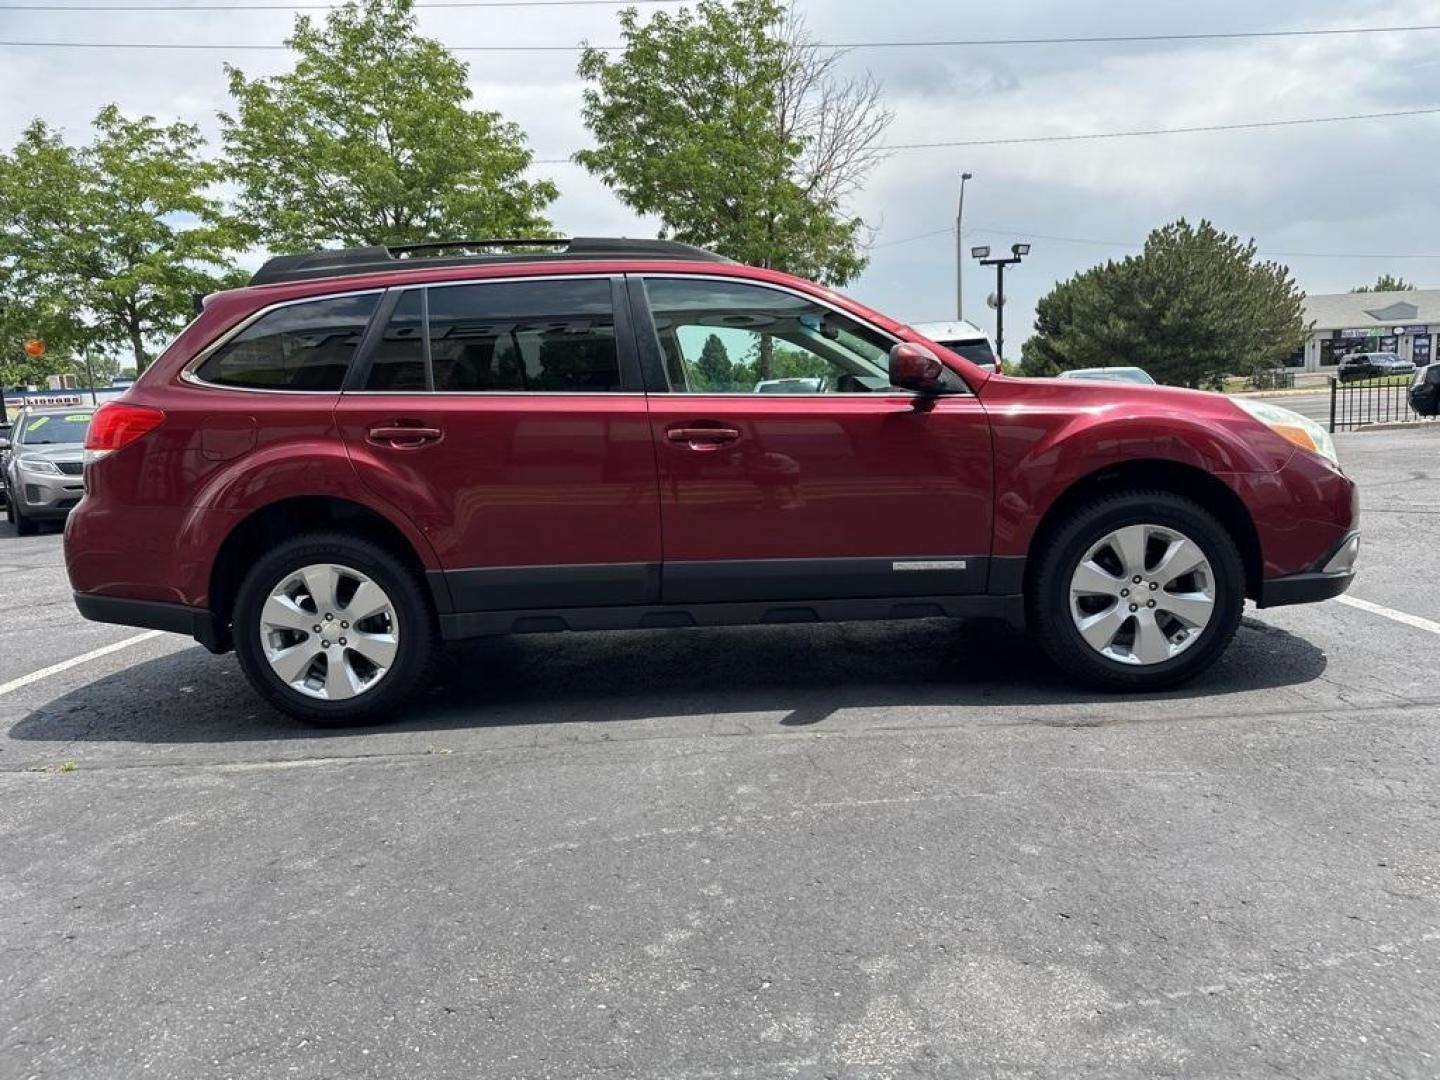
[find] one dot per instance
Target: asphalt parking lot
(862, 851)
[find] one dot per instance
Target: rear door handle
(703, 438)
(404, 436)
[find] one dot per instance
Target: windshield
(51, 430)
(977, 352)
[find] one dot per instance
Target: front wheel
(1138, 591)
(24, 526)
(334, 630)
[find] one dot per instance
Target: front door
(507, 419)
(790, 469)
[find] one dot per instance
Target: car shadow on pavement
(802, 673)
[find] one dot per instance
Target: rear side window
(556, 336)
(398, 364)
(305, 346)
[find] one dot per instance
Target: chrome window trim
(187, 374)
(606, 395)
(802, 294)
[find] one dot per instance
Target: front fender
(1051, 435)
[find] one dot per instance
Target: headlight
(1288, 424)
(39, 464)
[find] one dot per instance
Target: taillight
(116, 425)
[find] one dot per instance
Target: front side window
(304, 346)
(724, 337)
(556, 336)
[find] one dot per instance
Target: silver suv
(45, 466)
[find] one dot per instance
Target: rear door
(507, 419)
(790, 468)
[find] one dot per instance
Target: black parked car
(1425, 391)
(1372, 365)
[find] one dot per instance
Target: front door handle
(404, 436)
(703, 438)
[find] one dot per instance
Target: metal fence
(1370, 401)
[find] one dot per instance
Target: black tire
(1048, 597)
(24, 526)
(418, 638)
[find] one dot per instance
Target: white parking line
(85, 658)
(1388, 613)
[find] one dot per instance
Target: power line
(1114, 39)
(922, 236)
(1253, 125)
(927, 43)
(132, 8)
(1249, 126)
(1000, 230)
(1127, 39)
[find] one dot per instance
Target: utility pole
(1017, 252)
(960, 250)
(90, 375)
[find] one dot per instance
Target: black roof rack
(349, 262)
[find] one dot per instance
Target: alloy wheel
(1142, 594)
(329, 632)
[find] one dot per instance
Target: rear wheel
(334, 630)
(1139, 591)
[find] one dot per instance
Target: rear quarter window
(303, 346)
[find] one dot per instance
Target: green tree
(1385, 283)
(724, 122)
(104, 246)
(370, 139)
(715, 369)
(1193, 306)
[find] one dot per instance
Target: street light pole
(1017, 252)
(960, 250)
(1000, 311)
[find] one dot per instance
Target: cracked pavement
(863, 851)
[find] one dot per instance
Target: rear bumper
(1330, 577)
(199, 623)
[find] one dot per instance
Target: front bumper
(42, 496)
(1331, 577)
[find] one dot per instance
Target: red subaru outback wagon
(367, 452)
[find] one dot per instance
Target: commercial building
(1400, 322)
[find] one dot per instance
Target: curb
(1397, 425)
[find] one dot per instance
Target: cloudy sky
(1338, 202)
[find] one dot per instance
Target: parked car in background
(1135, 375)
(5, 429)
(366, 452)
(1372, 365)
(1425, 391)
(44, 472)
(962, 338)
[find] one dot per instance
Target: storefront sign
(43, 401)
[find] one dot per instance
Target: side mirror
(914, 367)
(4, 443)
